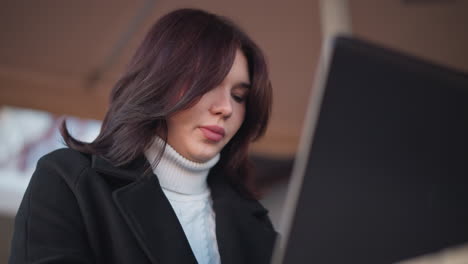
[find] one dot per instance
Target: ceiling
(65, 56)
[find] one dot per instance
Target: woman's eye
(239, 98)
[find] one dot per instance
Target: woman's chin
(203, 156)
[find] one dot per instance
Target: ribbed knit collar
(178, 174)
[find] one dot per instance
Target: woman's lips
(213, 133)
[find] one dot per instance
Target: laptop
(381, 175)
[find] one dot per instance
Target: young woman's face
(201, 132)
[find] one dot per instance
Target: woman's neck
(176, 173)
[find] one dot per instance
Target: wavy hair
(185, 54)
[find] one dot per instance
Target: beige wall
(435, 30)
(50, 49)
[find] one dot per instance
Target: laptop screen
(382, 174)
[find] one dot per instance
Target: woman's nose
(221, 104)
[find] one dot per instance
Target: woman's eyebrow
(245, 85)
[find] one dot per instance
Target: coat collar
(131, 172)
(141, 202)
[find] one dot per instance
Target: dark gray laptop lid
(382, 171)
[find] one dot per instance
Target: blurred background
(61, 58)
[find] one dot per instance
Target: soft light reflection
(26, 135)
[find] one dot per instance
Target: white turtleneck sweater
(185, 186)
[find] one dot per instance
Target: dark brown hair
(184, 55)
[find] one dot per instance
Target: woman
(167, 180)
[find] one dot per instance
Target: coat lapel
(243, 231)
(244, 234)
(148, 213)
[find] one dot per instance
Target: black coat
(81, 209)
